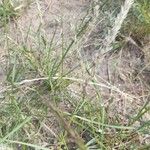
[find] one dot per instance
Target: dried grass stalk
(110, 38)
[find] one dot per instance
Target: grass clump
(7, 12)
(139, 19)
(10, 10)
(38, 111)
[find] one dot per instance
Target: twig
(108, 85)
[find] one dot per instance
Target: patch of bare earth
(49, 16)
(123, 75)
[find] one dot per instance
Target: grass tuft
(52, 98)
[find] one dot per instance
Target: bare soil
(122, 69)
(126, 70)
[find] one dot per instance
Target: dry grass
(73, 79)
(110, 38)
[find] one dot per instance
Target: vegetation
(140, 15)
(40, 105)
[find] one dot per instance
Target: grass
(7, 12)
(46, 104)
(10, 10)
(140, 15)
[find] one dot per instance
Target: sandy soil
(117, 70)
(48, 15)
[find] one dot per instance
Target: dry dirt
(48, 15)
(125, 71)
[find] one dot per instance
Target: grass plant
(37, 109)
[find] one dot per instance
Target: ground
(59, 90)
